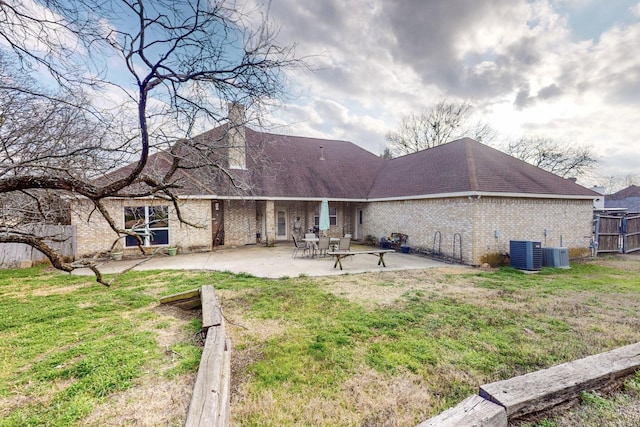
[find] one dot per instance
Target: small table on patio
(343, 254)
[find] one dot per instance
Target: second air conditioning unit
(555, 257)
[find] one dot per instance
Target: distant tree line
(448, 121)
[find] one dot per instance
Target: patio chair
(312, 245)
(323, 246)
(344, 244)
(304, 246)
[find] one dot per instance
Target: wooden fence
(631, 234)
(211, 396)
(62, 238)
(617, 233)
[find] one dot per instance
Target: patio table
(340, 255)
(315, 240)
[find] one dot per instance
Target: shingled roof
(628, 198)
(625, 193)
(293, 167)
(467, 166)
(313, 168)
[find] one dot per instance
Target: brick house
(462, 195)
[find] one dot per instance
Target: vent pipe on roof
(321, 152)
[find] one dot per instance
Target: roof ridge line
(471, 167)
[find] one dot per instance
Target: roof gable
(301, 167)
(631, 191)
(465, 166)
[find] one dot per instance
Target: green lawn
(349, 350)
(67, 343)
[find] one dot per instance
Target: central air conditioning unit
(555, 257)
(525, 255)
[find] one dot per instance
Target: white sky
(565, 69)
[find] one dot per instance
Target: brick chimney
(236, 137)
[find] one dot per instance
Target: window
(333, 217)
(281, 224)
(150, 222)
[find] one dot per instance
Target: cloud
(524, 65)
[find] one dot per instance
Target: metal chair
(344, 244)
(323, 246)
(298, 246)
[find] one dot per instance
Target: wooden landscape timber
(539, 391)
(473, 411)
(185, 300)
(211, 393)
(211, 396)
(211, 314)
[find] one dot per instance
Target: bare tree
(386, 154)
(443, 123)
(614, 183)
(564, 160)
(183, 62)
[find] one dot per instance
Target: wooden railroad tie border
(539, 391)
(211, 396)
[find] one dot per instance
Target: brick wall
(485, 225)
(186, 237)
(240, 224)
(420, 219)
(567, 222)
(95, 235)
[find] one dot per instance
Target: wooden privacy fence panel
(62, 238)
(617, 233)
(631, 234)
(608, 229)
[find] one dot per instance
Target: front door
(217, 222)
(281, 225)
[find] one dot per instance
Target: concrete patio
(274, 262)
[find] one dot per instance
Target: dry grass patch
(386, 288)
(76, 353)
(368, 398)
(156, 401)
(393, 400)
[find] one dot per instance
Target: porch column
(270, 223)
